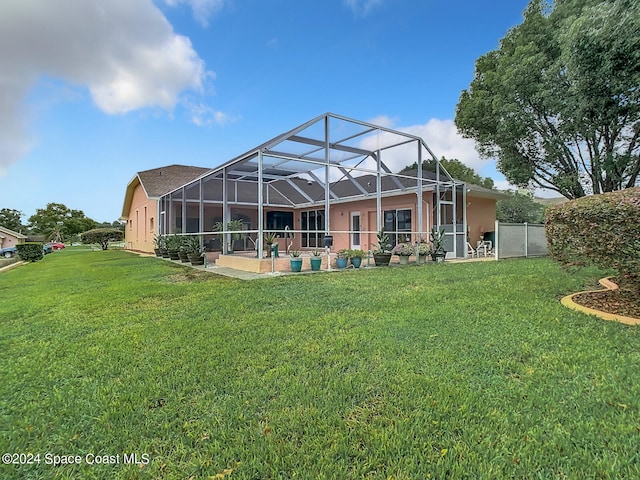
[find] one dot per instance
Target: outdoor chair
(471, 251)
(484, 246)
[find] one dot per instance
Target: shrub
(102, 236)
(30, 251)
(601, 229)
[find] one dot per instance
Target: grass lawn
(445, 371)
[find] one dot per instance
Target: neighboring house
(140, 209)
(9, 238)
(325, 177)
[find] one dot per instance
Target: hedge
(603, 230)
(30, 251)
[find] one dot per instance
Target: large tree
(10, 218)
(457, 170)
(58, 222)
(558, 104)
(519, 208)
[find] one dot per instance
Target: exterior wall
(481, 217)
(142, 223)
(340, 218)
(7, 240)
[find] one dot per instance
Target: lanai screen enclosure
(290, 185)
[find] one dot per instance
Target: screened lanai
(329, 177)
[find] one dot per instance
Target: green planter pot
(341, 262)
(356, 262)
(296, 264)
(316, 263)
(403, 259)
(421, 260)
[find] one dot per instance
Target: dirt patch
(619, 302)
(189, 276)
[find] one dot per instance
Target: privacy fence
(520, 240)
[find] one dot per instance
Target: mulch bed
(619, 302)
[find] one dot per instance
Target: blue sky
(88, 99)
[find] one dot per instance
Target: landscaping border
(608, 285)
(12, 265)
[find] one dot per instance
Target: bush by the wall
(30, 251)
(601, 229)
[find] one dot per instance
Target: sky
(94, 91)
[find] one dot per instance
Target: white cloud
(441, 136)
(383, 121)
(361, 8)
(202, 9)
(124, 52)
(202, 115)
(443, 139)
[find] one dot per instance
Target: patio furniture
(484, 246)
(471, 251)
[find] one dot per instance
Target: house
(325, 180)
(140, 209)
(9, 238)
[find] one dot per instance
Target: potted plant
(382, 253)
(194, 251)
(183, 251)
(438, 253)
(159, 245)
(269, 240)
(342, 258)
(404, 250)
(173, 246)
(316, 260)
(295, 261)
(236, 225)
(233, 225)
(423, 250)
(356, 257)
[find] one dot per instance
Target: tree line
(56, 222)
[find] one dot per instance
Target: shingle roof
(12, 233)
(158, 181)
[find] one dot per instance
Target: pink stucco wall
(7, 240)
(142, 223)
(481, 217)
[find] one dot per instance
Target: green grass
(448, 371)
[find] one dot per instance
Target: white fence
(520, 240)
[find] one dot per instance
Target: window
(396, 222)
(279, 220)
(313, 222)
